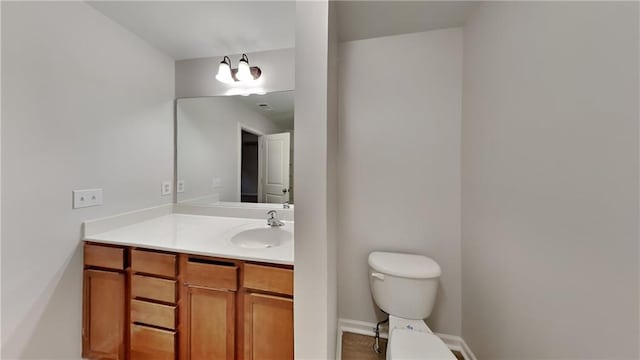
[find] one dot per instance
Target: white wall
(208, 145)
(315, 314)
(85, 104)
(399, 158)
(550, 181)
(332, 179)
(196, 77)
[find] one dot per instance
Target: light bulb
(224, 73)
(244, 71)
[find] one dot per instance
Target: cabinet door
(103, 329)
(207, 329)
(268, 327)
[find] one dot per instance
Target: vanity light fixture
(224, 71)
(243, 73)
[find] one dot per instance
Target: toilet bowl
(405, 287)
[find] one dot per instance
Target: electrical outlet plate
(180, 186)
(87, 198)
(166, 188)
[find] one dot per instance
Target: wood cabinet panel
(268, 278)
(148, 313)
(104, 256)
(268, 327)
(207, 319)
(103, 328)
(217, 275)
(146, 287)
(139, 304)
(152, 344)
(155, 263)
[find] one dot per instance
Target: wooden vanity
(140, 303)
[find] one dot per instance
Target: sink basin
(261, 238)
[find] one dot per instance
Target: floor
(360, 347)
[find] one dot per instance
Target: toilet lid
(409, 344)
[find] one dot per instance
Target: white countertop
(200, 235)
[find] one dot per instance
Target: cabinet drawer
(267, 278)
(149, 343)
(153, 314)
(153, 288)
(155, 263)
(104, 256)
(213, 274)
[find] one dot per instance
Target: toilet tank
(403, 285)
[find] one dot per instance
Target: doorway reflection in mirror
(236, 149)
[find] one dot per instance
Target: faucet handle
(273, 219)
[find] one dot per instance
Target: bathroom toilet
(405, 287)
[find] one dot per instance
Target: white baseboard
(366, 328)
(457, 343)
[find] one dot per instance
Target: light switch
(86, 198)
(180, 186)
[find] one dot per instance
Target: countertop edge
(187, 251)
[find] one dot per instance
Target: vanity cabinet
(104, 308)
(147, 304)
(208, 308)
(268, 312)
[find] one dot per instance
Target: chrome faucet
(272, 220)
(285, 205)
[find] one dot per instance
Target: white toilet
(405, 286)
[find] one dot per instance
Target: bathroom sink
(261, 238)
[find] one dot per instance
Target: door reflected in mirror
(235, 149)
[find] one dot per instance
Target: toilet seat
(408, 344)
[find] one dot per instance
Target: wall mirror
(233, 150)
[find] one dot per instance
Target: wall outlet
(180, 186)
(87, 198)
(166, 188)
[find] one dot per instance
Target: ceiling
(279, 109)
(195, 29)
(370, 19)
